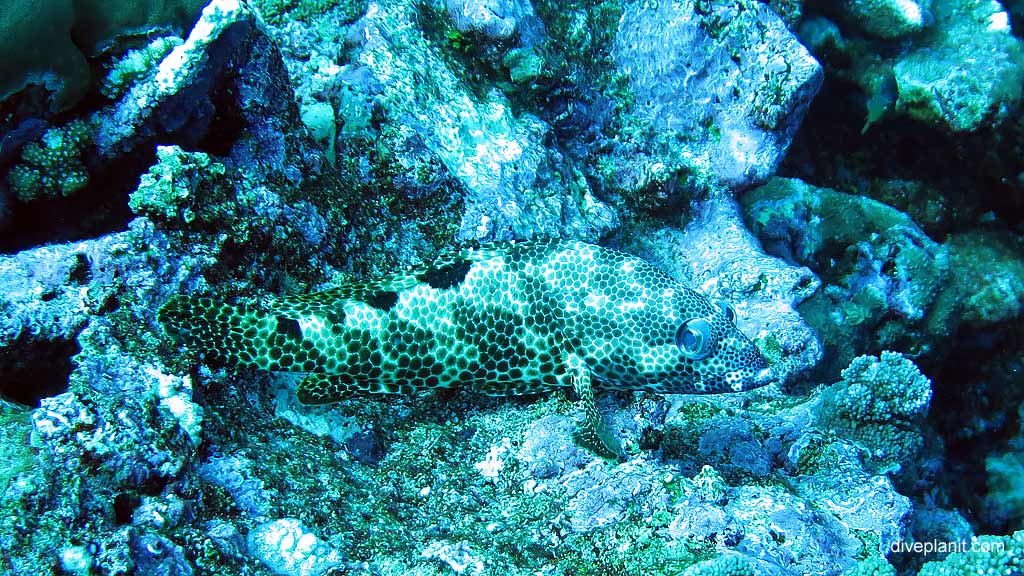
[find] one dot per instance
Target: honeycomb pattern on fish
(513, 318)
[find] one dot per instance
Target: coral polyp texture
(52, 166)
(880, 404)
(48, 42)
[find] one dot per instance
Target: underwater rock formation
(936, 79)
(188, 91)
(47, 43)
(727, 79)
(285, 146)
(885, 280)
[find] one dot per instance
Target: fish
(509, 318)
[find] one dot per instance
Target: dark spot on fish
(384, 300)
(447, 276)
(289, 327)
(335, 316)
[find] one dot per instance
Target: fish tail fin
(223, 332)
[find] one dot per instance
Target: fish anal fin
(316, 389)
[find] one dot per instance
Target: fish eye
(726, 308)
(693, 338)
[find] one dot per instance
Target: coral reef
(886, 280)
(95, 462)
(887, 18)
(721, 101)
(510, 178)
(52, 165)
(990, 275)
(937, 80)
(880, 404)
(136, 66)
(167, 191)
(251, 150)
(288, 548)
(47, 42)
(938, 86)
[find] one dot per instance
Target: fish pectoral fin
(317, 389)
(592, 433)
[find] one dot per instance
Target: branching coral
(879, 404)
(52, 166)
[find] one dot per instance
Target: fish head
(712, 354)
(681, 342)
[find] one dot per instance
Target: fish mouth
(764, 377)
(736, 381)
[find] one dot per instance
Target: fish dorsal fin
(446, 271)
(449, 269)
(381, 293)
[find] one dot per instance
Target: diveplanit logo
(947, 547)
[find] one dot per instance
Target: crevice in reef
(35, 369)
(831, 150)
(975, 390)
(101, 207)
